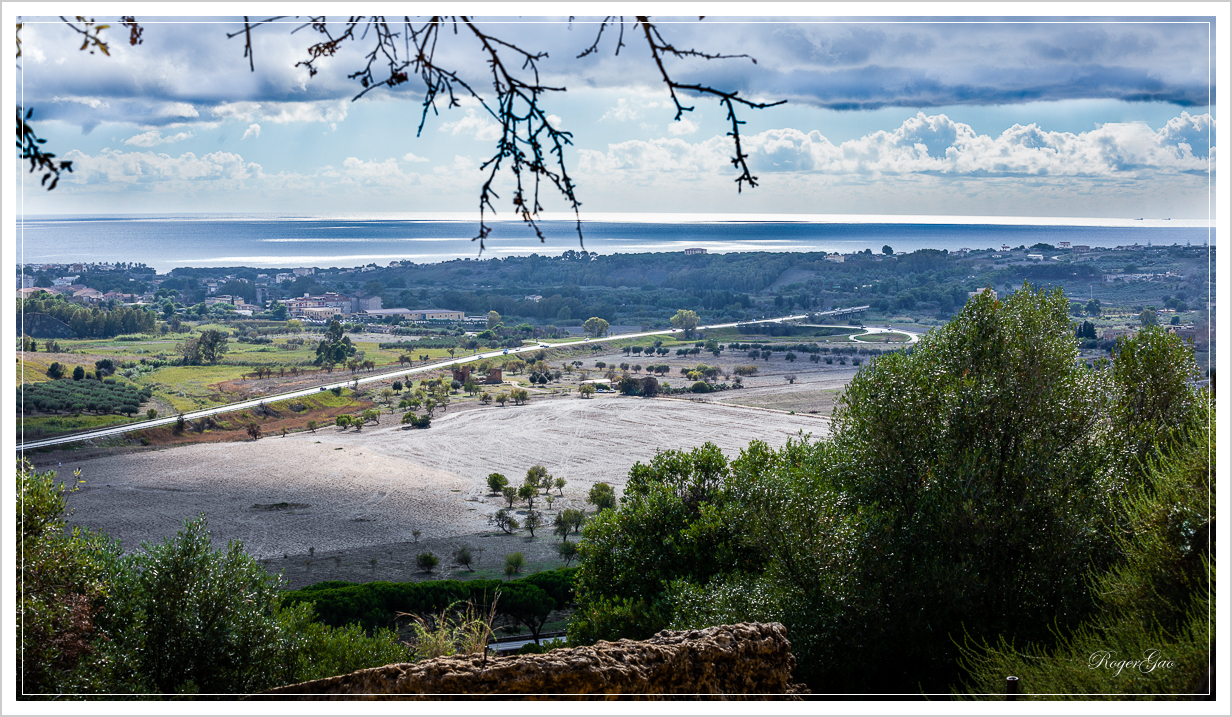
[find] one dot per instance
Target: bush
(514, 562)
(497, 482)
(426, 562)
(602, 496)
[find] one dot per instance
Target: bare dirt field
(353, 497)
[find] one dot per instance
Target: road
(385, 375)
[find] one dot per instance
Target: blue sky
(1034, 117)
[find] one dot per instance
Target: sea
(164, 242)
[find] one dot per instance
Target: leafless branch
(660, 48)
(529, 148)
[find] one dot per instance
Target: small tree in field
(497, 483)
(510, 493)
(312, 426)
(504, 520)
(602, 496)
(586, 390)
(462, 556)
(538, 477)
(559, 484)
(343, 422)
(534, 519)
(426, 562)
(516, 561)
(527, 493)
(253, 430)
(567, 551)
(561, 526)
(574, 518)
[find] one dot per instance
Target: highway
(385, 375)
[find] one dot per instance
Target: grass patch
(36, 427)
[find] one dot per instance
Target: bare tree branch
(529, 148)
(659, 48)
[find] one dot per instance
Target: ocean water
(269, 241)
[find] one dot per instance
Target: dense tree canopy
(970, 487)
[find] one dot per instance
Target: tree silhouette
(529, 146)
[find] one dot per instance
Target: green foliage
(61, 578)
(514, 562)
(109, 396)
(1154, 604)
(90, 323)
(672, 524)
(687, 320)
(426, 562)
(410, 418)
(188, 618)
(208, 347)
(969, 487)
(602, 496)
(497, 482)
(1152, 373)
(375, 605)
(595, 326)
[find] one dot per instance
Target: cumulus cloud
(281, 112)
(117, 170)
(254, 131)
(478, 126)
(622, 112)
(154, 137)
(412, 157)
(934, 145)
(682, 126)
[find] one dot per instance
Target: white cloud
(177, 109)
(154, 137)
(282, 112)
(115, 170)
(925, 146)
(554, 120)
(479, 126)
(93, 103)
(682, 126)
(412, 157)
(254, 131)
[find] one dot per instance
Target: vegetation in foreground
(980, 490)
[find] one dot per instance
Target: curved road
(227, 408)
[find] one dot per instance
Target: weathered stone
(749, 660)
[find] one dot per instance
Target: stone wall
(749, 660)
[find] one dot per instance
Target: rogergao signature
(1149, 662)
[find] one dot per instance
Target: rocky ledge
(749, 660)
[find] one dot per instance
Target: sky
(1023, 117)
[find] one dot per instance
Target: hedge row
(376, 604)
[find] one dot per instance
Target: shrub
(497, 483)
(517, 560)
(504, 520)
(426, 562)
(602, 496)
